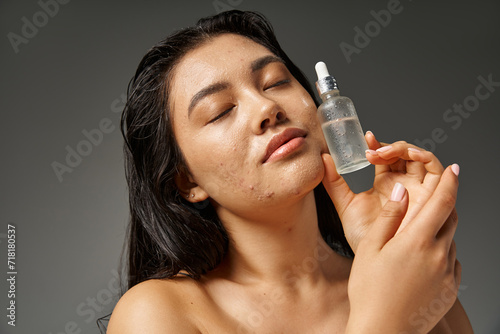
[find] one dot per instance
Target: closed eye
(279, 83)
(221, 115)
(227, 111)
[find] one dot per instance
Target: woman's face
(246, 127)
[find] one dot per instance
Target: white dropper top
(321, 70)
(326, 82)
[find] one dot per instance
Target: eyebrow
(212, 89)
(255, 66)
(260, 63)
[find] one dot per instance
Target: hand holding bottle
(418, 170)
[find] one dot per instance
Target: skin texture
(279, 275)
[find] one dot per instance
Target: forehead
(225, 57)
(220, 54)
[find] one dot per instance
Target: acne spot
(265, 195)
(289, 229)
(251, 187)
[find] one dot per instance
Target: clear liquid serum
(340, 124)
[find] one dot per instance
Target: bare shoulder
(156, 306)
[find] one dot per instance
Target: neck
(283, 246)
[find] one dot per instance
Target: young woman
(239, 220)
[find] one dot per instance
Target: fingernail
(372, 152)
(384, 149)
(370, 133)
(455, 168)
(413, 149)
(397, 192)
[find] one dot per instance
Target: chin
(303, 174)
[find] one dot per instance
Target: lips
(284, 143)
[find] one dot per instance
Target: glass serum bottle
(340, 125)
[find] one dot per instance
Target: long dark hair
(167, 234)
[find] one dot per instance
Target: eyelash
(282, 82)
(225, 112)
(222, 114)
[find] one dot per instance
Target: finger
(372, 142)
(407, 158)
(390, 158)
(373, 158)
(435, 212)
(416, 170)
(381, 165)
(389, 220)
(335, 185)
(447, 232)
(397, 150)
(431, 166)
(372, 155)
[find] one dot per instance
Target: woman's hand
(406, 283)
(418, 170)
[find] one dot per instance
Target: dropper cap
(325, 81)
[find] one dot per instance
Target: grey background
(68, 78)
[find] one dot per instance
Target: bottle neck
(329, 94)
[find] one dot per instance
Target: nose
(269, 114)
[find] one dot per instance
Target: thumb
(335, 185)
(385, 226)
